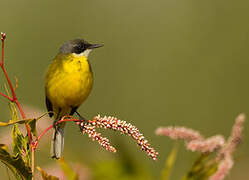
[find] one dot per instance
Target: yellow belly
(69, 83)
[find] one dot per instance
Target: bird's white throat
(85, 53)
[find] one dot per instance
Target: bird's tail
(57, 143)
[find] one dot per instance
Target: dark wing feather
(49, 107)
(74, 109)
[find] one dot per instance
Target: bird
(68, 83)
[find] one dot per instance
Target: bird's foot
(81, 117)
(82, 122)
(55, 125)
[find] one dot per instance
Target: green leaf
(203, 168)
(16, 121)
(170, 163)
(30, 122)
(68, 170)
(32, 125)
(11, 122)
(13, 112)
(46, 176)
(21, 145)
(15, 164)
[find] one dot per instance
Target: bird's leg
(55, 130)
(81, 117)
(83, 120)
(56, 119)
(54, 124)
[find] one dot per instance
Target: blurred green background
(165, 62)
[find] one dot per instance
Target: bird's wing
(73, 110)
(49, 107)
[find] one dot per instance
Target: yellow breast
(68, 81)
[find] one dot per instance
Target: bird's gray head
(78, 46)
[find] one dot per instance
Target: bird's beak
(93, 46)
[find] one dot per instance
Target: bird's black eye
(79, 48)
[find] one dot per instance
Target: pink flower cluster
(196, 142)
(179, 133)
(224, 156)
(115, 124)
(90, 130)
(3, 36)
(193, 139)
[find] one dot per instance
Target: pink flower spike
(3, 36)
(234, 139)
(206, 146)
(179, 133)
(90, 130)
(236, 134)
(223, 169)
(115, 124)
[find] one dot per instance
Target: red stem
(9, 83)
(50, 127)
(24, 117)
(4, 95)
(14, 98)
(2, 38)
